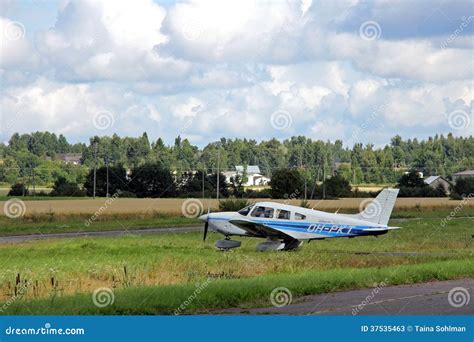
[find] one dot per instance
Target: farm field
(174, 205)
(156, 274)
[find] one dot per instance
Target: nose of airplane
(203, 218)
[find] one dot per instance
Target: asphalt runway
(418, 299)
(147, 231)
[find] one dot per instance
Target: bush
(411, 180)
(464, 187)
(117, 181)
(265, 193)
(337, 186)
(18, 189)
(128, 194)
(62, 187)
(425, 191)
(233, 204)
(287, 183)
(152, 180)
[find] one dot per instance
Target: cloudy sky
(351, 70)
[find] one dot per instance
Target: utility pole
(218, 165)
(95, 167)
(107, 167)
(32, 173)
(203, 175)
(324, 178)
(305, 189)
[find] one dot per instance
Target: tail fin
(380, 209)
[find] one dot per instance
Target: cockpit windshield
(245, 211)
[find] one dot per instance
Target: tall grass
(244, 293)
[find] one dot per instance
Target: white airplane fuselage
(286, 226)
(317, 225)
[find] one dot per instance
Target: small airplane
(285, 227)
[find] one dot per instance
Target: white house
(436, 181)
(254, 177)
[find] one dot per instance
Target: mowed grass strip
(40, 223)
(244, 293)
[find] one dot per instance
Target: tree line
(31, 159)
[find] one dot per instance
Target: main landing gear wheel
(277, 245)
(227, 244)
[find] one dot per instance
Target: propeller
(206, 227)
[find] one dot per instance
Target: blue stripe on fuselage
(304, 227)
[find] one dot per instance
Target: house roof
(465, 173)
(69, 156)
(250, 169)
(431, 179)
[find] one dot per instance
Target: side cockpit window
(299, 216)
(266, 212)
(283, 214)
(245, 211)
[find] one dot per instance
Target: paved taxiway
(418, 299)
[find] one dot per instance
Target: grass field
(156, 274)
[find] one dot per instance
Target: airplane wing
(260, 229)
(380, 229)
